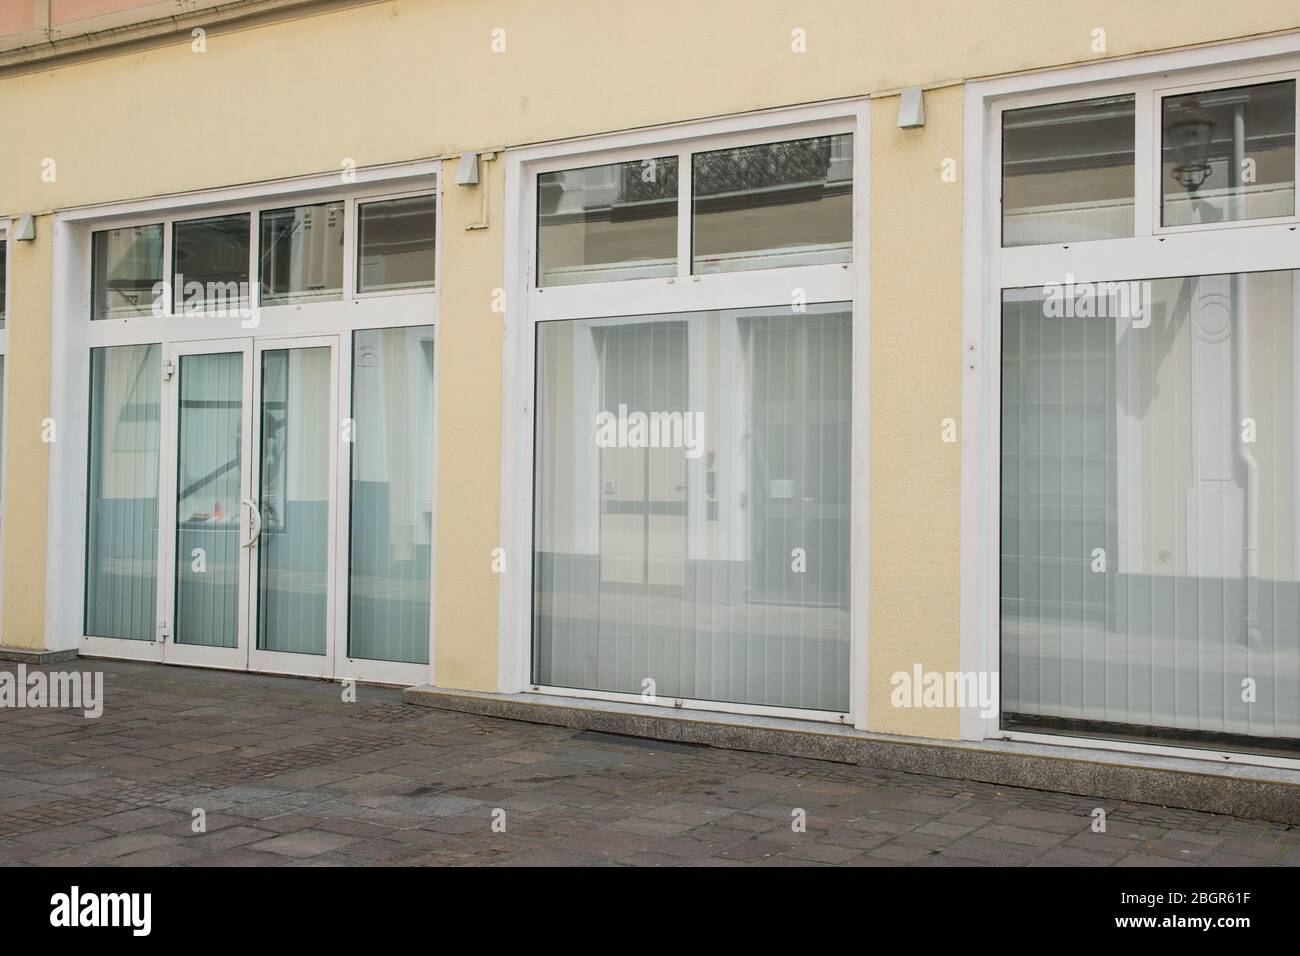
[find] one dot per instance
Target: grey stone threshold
(36, 655)
(1239, 790)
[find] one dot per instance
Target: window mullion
(1146, 163)
(684, 183)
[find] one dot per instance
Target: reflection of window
(1228, 154)
(210, 264)
(778, 204)
(395, 243)
(1067, 171)
(1150, 509)
(607, 222)
(680, 461)
(301, 252)
(126, 271)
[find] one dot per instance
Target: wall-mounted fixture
(911, 108)
(24, 228)
(467, 171)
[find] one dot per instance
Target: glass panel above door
(293, 498)
(126, 268)
(301, 254)
(210, 265)
(209, 435)
(395, 243)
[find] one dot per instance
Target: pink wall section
(65, 11)
(15, 16)
(18, 16)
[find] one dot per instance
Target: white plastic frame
(681, 293)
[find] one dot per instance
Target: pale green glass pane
(122, 493)
(392, 487)
(293, 547)
(207, 499)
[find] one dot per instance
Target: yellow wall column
(468, 409)
(916, 334)
(26, 458)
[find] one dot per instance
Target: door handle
(254, 523)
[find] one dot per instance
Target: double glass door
(249, 504)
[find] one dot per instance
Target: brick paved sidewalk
(289, 774)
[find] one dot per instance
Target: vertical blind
(691, 506)
(392, 494)
(122, 496)
(294, 500)
(208, 470)
(1150, 509)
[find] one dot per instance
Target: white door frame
(284, 662)
(74, 335)
(175, 652)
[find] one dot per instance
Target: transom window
(281, 256)
(1226, 154)
(760, 206)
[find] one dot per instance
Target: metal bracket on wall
(483, 189)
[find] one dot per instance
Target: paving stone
(291, 776)
(304, 843)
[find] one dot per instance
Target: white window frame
(682, 293)
(1154, 252)
(74, 334)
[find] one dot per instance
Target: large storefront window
(692, 501)
(692, 505)
(1150, 420)
(1151, 509)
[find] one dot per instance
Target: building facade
(931, 369)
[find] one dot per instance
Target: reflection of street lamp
(1188, 128)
